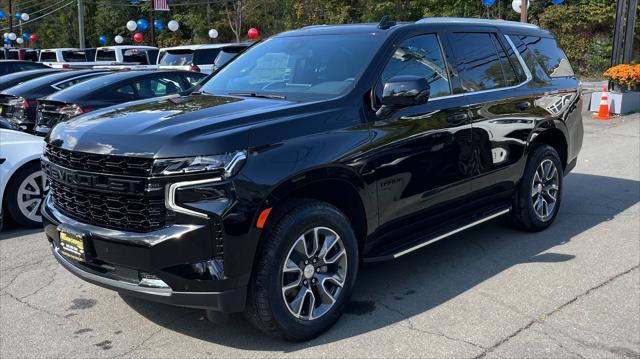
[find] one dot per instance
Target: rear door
(500, 106)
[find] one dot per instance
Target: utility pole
(151, 23)
(623, 32)
(10, 17)
(81, 23)
(523, 10)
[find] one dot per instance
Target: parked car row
(199, 58)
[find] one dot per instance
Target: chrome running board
(439, 237)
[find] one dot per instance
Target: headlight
(230, 163)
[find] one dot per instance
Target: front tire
(305, 270)
(540, 191)
(24, 195)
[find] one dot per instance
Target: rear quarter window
(543, 57)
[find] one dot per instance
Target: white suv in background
(199, 58)
(22, 182)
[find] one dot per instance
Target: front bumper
(116, 260)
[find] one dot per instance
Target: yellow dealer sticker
(72, 245)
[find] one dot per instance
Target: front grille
(136, 212)
(122, 212)
(120, 165)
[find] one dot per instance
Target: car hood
(171, 126)
(13, 137)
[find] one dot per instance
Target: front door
(421, 153)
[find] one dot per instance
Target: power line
(44, 15)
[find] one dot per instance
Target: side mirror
(403, 91)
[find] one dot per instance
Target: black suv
(265, 188)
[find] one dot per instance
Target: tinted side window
(477, 62)
(507, 69)
(543, 57)
(420, 56)
(157, 86)
(125, 91)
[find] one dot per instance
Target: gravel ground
(571, 291)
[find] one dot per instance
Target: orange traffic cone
(603, 111)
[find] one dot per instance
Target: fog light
(151, 281)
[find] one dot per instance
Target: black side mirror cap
(403, 91)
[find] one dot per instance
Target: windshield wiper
(261, 95)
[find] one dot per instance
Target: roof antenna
(385, 23)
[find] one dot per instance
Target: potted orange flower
(625, 92)
(624, 77)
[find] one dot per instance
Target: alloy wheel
(30, 195)
(314, 273)
(545, 190)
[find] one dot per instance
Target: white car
(22, 182)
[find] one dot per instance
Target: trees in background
(583, 27)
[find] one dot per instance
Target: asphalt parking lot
(571, 291)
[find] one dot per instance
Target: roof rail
(476, 21)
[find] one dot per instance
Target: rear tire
(304, 272)
(25, 193)
(540, 190)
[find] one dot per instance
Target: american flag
(160, 5)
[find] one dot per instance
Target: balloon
(143, 24)
(25, 36)
(138, 37)
(158, 25)
(515, 5)
(7, 42)
(19, 40)
(488, 2)
(2, 15)
(12, 36)
(253, 33)
(132, 25)
(557, 2)
(135, 1)
(173, 25)
(33, 37)
(103, 39)
(5, 35)
(18, 16)
(24, 16)
(213, 33)
(119, 39)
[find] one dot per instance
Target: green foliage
(584, 28)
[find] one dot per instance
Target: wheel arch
(11, 174)
(338, 186)
(555, 138)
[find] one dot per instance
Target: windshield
(297, 67)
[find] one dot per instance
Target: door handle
(523, 106)
(457, 118)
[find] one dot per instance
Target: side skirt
(436, 236)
